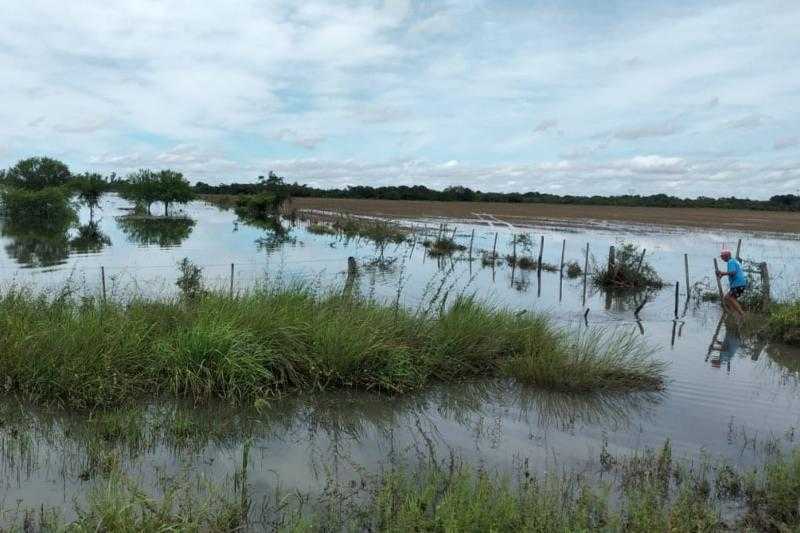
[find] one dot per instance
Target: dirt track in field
(522, 214)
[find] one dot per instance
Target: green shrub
(630, 270)
(48, 206)
(784, 322)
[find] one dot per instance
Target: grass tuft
(442, 246)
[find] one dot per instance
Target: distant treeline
(784, 202)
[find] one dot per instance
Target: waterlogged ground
(732, 404)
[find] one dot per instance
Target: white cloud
(783, 143)
(750, 121)
(664, 129)
(215, 87)
(546, 125)
(305, 140)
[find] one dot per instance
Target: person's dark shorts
(737, 292)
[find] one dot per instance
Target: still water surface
(715, 403)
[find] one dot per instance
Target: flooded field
(729, 403)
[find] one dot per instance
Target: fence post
(765, 289)
(719, 283)
(541, 252)
(453, 237)
(514, 245)
(686, 269)
(611, 258)
(494, 249)
(103, 280)
(641, 261)
(231, 289)
(677, 296)
(471, 239)
(585, 272)
(738, 249)
(563, 249)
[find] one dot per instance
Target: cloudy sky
(685, 98)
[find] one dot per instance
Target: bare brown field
(521, 214)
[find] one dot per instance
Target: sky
(566, 97)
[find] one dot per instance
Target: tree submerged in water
(146, 187)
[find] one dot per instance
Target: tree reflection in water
(89, 240)
(37, 242)
(166, 232)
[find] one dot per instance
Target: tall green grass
(85, 353)
(784, 322)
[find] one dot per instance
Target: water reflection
(90, 239)
(38, 242)
(156, 231)
(277, 234)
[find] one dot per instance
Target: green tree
(141, 188)
(90, 187)
(36, 173)
(173, 188)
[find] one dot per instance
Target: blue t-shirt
(736, 274)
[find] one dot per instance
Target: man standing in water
(736, 280)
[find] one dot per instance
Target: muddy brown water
(726, 403)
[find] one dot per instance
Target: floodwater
(717, 402)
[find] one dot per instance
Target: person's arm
(721, 274)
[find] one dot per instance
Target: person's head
(725, 255)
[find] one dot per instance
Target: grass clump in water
(88, 353)
(783, 322)
(629, 270)
(442, 246)
(524, 262)
(573, 269)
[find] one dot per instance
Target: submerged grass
(646, 492)
(88, 353)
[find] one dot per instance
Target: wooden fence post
(719, 283)
(641, 261)
(563, 249)
(738, 250)
(471, 239)
(765, 288)
(612, 256)
(231, 289)
(686, 269)
(541, 252)
(585, 272)
(103, 280)
(677, 296)
(494, 249)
